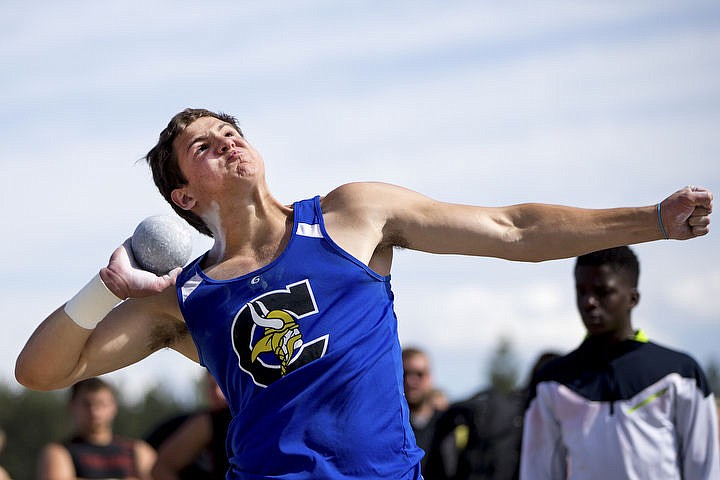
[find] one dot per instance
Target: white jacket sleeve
(696, 425)
(543, 454)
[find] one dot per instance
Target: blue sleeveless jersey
(306, 351)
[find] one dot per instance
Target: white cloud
(696, 294)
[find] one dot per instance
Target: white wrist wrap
(90, 305)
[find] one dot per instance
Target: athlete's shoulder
(356, 203)
(371, 199)
(356, 193)
(562, 367)
(683, 362)
(653, 361)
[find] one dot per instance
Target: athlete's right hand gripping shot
(291, 309)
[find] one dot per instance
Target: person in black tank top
(94, 451)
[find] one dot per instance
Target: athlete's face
(605, 299)
(416, 379)
(211, 153)
(93, 411)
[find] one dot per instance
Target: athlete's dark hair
(618, 259)
(93, 384)
(164, 165)
(412, 351)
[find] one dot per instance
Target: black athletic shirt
(115, 460)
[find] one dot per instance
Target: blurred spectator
(618, 406)
(480, 438)
(418, 385)
(3, 473)
(94, 452)
(439, 400)
(192, 447)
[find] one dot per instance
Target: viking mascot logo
(282, 335)
(267, 335)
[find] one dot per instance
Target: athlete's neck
(246, 238)
(98, 437)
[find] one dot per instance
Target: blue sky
(594, 104)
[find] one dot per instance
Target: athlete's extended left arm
(536, 232)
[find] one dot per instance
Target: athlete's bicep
(135, 329)
(369, 219)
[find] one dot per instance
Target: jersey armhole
(326, 236)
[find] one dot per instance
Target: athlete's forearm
(544, 232)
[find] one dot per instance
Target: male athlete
(322, 396)
(619, 406)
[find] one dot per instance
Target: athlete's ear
(182, 198)
(634, 297)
